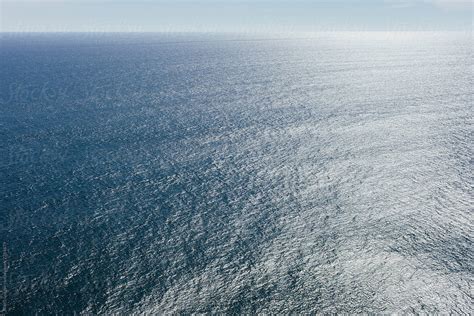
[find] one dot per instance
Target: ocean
(206, 173)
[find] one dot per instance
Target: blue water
(147, 173)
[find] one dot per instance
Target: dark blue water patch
(153, 173)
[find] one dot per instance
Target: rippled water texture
(194, 173)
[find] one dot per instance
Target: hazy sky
(235, 15)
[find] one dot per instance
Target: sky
(251, 16)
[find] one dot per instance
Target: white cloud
(443, 4)
(453, 4)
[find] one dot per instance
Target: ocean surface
(178, 173)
